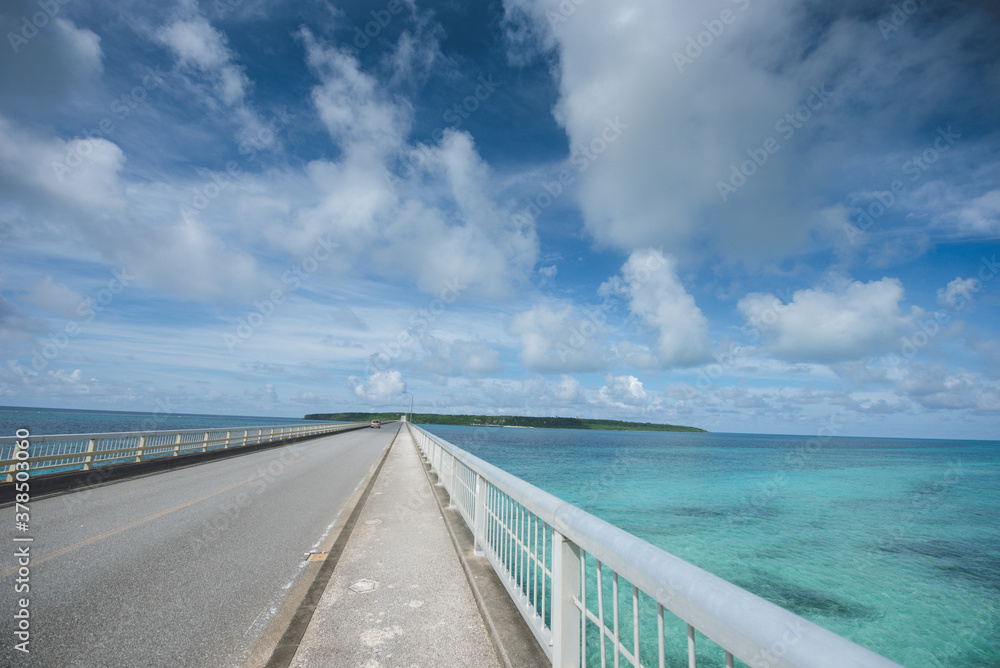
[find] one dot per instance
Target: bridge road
(187, 567)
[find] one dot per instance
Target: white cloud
(425, 211)
(206, 63)
(199, 46)
(357, 111)
(848, 323)
(568, 389)
(701, 101)
(57, 65)
(958, 293)
(382, 387)
(981, 217)
(936, 388)
(623, 392)
(476, 358)
(55, 297)
(649, 281)
(76, 191)
(196, 43)
(75, 176)
(559, 339)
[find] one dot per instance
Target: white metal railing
(67, 452)
(572, 575)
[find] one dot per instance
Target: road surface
(187, 567)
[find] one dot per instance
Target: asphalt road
(181, 568)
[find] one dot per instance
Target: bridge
(340, 545)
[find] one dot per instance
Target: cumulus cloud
(58, 62)
(476, 358)
(381, 387)
(649, 282)
(557, 338)
(981, 217)
(422, 211)
(454, 357)
(850, 322)
(55, 297)
(77, 190)
(937, 388)
(623, 392)
(78, 176)
(700, 97)
(958, 293)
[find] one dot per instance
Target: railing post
(204, 445)
(451, 483)
(228, 436)
(479, 518)
(142, 447)
(565, 585)
(88, 462)
(177, 445)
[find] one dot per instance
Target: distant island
(506, 421)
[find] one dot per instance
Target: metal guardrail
(572, 575)
(69, 452)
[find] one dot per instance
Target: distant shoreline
(509, 421)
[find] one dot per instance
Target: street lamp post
(410, 416)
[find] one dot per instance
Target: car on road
(376, 424)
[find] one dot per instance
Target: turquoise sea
(893, 543)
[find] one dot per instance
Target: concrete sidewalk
(398, 596)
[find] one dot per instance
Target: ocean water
(49, 421)
(892, 543)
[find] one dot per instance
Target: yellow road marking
(52, 555)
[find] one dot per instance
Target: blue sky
(747, 216)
